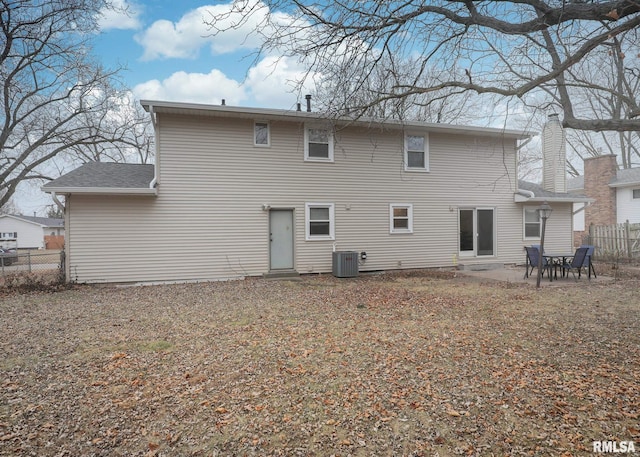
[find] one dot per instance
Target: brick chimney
(554, 156)
(598, 172)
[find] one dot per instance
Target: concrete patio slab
(515, 274)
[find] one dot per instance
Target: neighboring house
(27, 232)
(615, 194)
(241, 192)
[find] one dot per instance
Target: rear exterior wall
(207, 221)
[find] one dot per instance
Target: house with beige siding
(239, 192)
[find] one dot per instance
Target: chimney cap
(553, 116)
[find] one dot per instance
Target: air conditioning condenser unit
(345, 264)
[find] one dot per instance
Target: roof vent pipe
(308, 97)
(299, 107)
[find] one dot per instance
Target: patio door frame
(476, 235)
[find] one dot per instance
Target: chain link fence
(24, 263)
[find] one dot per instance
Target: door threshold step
(289, 274)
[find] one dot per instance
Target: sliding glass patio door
(476, 232)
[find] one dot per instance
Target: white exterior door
(281, 239)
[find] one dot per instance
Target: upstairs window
(636, 193)
(416, 152)
(318, 144)
(400, 218)
(531, 223)
(319, 221)
(261, 134)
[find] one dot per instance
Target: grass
(406, 364)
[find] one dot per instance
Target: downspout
(57, 202)
(582, 208)
(523, 144)
(526, 193)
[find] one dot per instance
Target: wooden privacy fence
(619, 240)
(54, 241)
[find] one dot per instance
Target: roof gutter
(625, 184)
(522, 195)
(155, 106)
(103, 190)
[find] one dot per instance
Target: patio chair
(578, 262)
(532, 261)
(588, 259)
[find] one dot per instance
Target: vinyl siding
(628, 208)
(30, 236)
(207, 220)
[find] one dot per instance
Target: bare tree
(53, 96)
(8, 207)
(129, 123)
(341, 94)
(520, 49)
(613, 70)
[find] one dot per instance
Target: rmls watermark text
(614, 447)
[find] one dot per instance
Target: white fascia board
(102, 190)
(519, 198)
(625, 184)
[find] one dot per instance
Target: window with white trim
(532, 223)
(319, 221)
(261, 134)
(416, 152)
(318, 144)
(636, 193)
(400, 218)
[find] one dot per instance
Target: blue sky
(169, 54)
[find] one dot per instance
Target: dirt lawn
(389, 365)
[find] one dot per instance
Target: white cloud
(272, 83)
(122, 14)
(185, 38)
(193, 87)
(275, 82)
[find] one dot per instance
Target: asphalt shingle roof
(106, 175)
(46, 221)
(575, 183)
(626, 176)
(538, 191)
